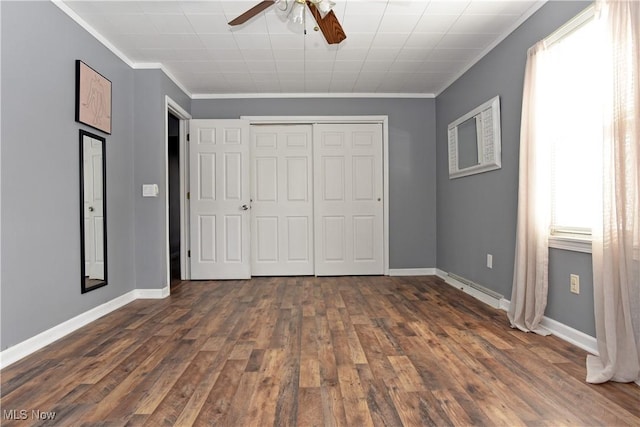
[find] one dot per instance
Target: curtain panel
(530, 277)
(616, 232)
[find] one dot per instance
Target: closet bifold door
(281, 200)
(348, 199)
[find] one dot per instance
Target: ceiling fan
(320, 9)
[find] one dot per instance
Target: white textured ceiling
(392, 46)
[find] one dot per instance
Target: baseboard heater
(475, 286)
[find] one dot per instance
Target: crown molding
(159, 66)
(106, 43)
(88, 28)
(310, 95)
(526, 15)
(148, 66)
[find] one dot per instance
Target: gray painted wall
(151, 87)
(563, 306)
(412, 179)
(40, 171)
(476, 215)
(40, 247)
(40, 264)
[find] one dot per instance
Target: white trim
(560, 330)
(310, 95)
(487, 299)
(168, 74)
(1, 177)
(383, 120)
(146, 65)
(564, 332)
(571, 335)
(170, 106)
(134, 65)
(412, 272)
(488, 140)
(270, 120)
(43, 339)
(526, 15)
(493, 294)
(154, 65)
(385, 189)
(185, 236)
(35, 343)
(576, 22)
(570, 244)
(159, 66)
(88, 28)
(152, 293)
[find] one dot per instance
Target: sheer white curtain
(530, 277)
(616, 234)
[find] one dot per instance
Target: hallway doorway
(173, 156)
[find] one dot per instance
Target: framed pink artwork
(93, 98)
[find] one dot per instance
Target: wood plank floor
(352, 351)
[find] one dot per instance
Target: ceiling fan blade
(252, 12)
(329, 25)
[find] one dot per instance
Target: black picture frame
(93, 98)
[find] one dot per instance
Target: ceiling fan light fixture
(296, 14)
(323, 6)
(294, 11)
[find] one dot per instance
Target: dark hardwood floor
(353, 351)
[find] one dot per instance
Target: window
(573, 126)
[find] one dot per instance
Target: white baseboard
(35, 343)
(564, 332)
(571, 335)
(412, 272)
(487, 299)
(151, 293)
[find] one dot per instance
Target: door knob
(244, 207)
(90, 208)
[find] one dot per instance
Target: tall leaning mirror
(93, 212)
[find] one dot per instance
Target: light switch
(150, 190)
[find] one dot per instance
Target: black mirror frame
(83, 286)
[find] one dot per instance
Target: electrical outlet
(489, 261)
(575, 284)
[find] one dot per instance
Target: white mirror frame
(487, 117)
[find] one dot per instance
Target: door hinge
(188, 195)
(188, 135)
(189, 253)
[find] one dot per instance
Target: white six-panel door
(282, 200)
(93, 209)
(219, 203)
(348, 192)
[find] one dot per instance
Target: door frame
(311, 120)
(183, 116)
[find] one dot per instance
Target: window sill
(576, 244)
